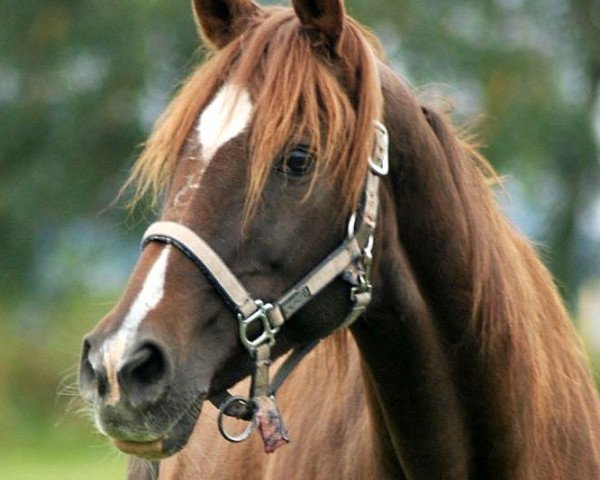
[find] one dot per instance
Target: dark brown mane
(526, 338)
(278, 55)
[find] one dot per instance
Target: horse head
(271, 164)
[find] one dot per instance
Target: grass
(58, 448)
(58, 443)
(42, 434)
(46, 462)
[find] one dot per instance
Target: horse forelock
(324, 99)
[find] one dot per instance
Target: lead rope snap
(267, 416)
(260, 410)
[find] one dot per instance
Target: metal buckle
(379, 159)
(245, 403)
(364, 277)
(268, 331)
(367, 250)
(364, 286)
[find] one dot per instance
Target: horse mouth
(147, 450)
(167, 444)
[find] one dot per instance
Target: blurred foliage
(81, 83)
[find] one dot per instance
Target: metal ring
(249, 429)
(369, 248)
(351, 224)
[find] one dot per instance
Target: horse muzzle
(133, 396)
(152, 433)
(165, 445)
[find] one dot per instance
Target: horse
(294, 156)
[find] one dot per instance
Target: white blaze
(224, 119)
(150, 295)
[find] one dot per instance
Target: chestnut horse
(464, 364)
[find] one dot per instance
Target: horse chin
(167, 444)
(146, 450)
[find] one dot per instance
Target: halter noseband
(352, 259)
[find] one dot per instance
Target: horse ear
(325, 17)
(221, 21)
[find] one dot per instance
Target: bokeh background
(81, 83)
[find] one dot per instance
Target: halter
(351, 260)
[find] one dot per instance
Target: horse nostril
(145, 374)
(92, 381)
(146, 364)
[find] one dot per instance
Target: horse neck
(413, 396)
(465, 385)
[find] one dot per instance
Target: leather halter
(352, 260)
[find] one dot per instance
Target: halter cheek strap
(351, 260)
(206, 259)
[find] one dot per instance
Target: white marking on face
(192, 183)
(148, 298)
(224, 119)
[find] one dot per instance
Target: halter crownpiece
(351, 260)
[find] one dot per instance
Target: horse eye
(297, 162)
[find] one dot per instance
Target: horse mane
(526, 338)
(299, 97)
